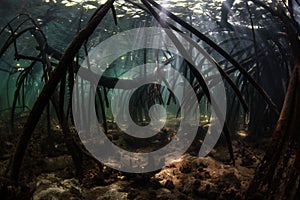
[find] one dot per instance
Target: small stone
(165, 190)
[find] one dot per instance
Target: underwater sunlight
(149, 99)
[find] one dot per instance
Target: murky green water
(60, 20)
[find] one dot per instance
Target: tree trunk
(279, 172)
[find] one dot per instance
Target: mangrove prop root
(51, 85)
(285, 133)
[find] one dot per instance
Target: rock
(163, 193)
(101, 192)
(51, 187)
(188, 187)
(57, 163)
